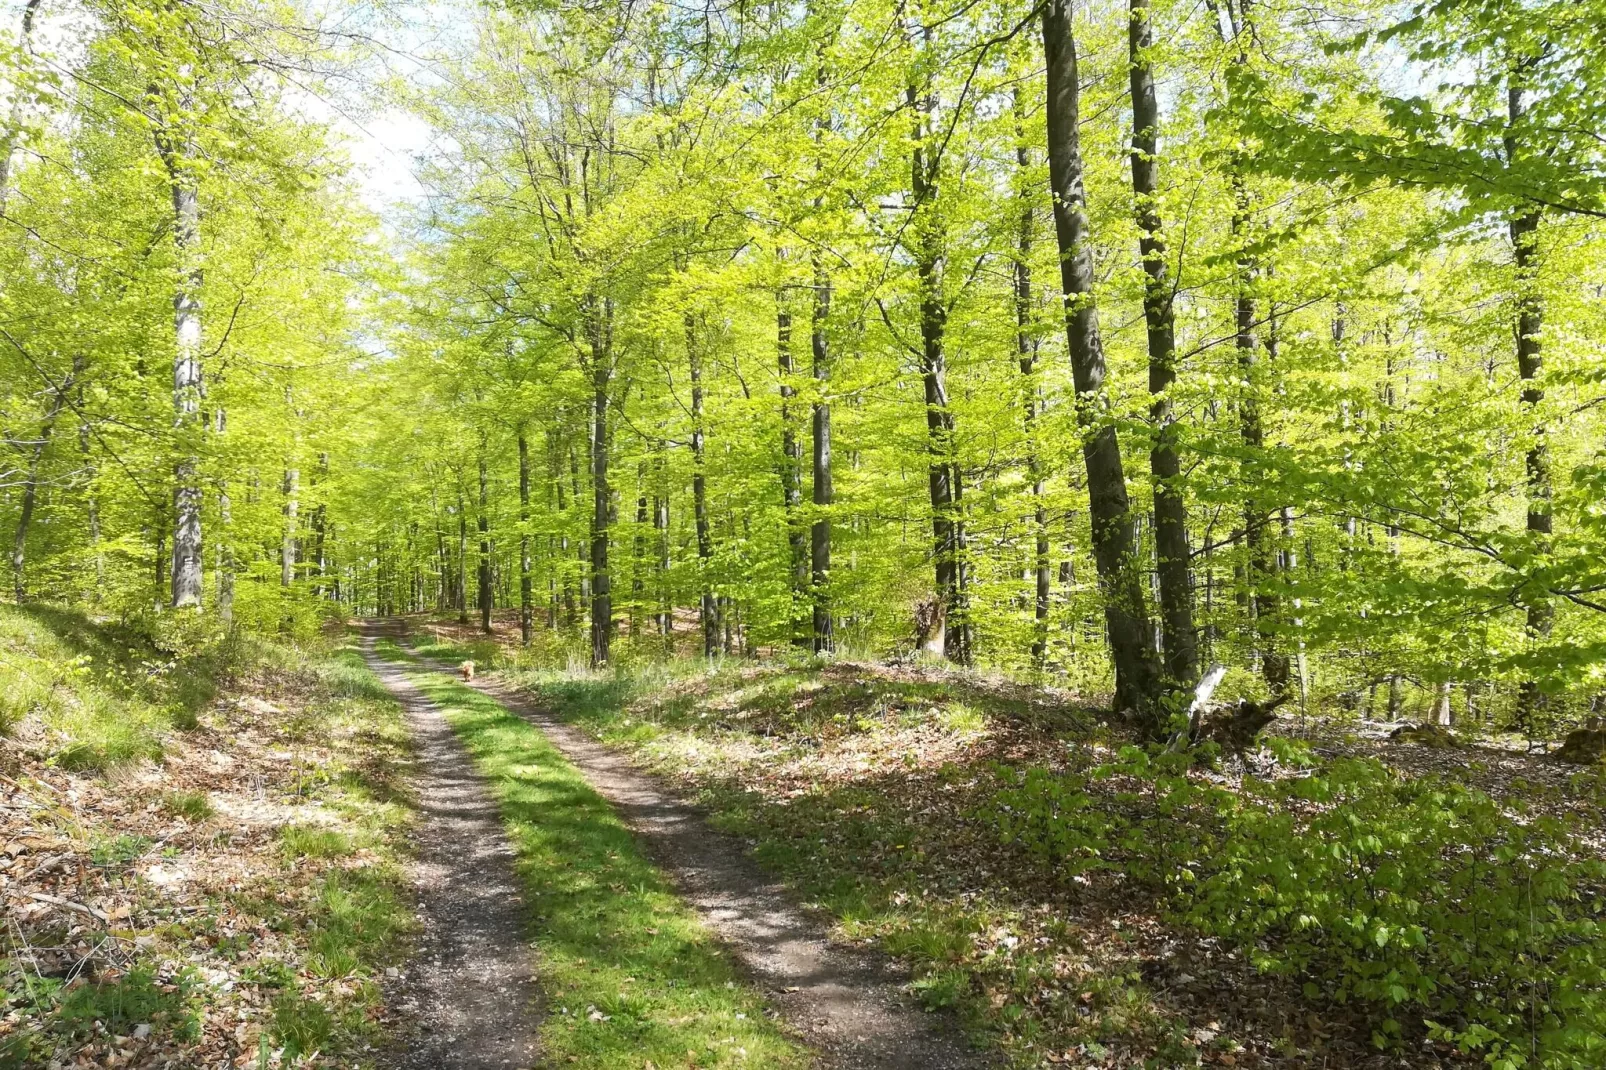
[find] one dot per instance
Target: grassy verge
(631, 977)
(203, 837)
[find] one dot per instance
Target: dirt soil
(848, 1004)
(470, 990)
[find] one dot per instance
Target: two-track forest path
(470, 990)
(850, 1006)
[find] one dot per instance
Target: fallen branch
(45, 897)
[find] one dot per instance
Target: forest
(1105, 501)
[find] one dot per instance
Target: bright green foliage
(494, 392)
(1420, 896)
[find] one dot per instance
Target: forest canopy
(1098, 342)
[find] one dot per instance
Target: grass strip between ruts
(630, 976)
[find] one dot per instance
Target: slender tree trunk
(1259, 545)
(1121, 582)
(699, 489)
(1172, 551)
(1026, 346)
(288, 542)
(601, 378)
(792, 471)
(186, 581)
(660, 523)
(462, 558)
(823, 492)
(638, 556)
(320, 523)
(1539, 611)
(947, 515)
(485, 592)
(526, 579)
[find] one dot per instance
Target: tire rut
(849, 1005)
(469, 991)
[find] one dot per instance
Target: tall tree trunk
(660, 524)
(1026, 345)
(526, 580)
(319, 524)
(823, 492)
(92, 506)
(462, 557)
(289, 544)
(712, 630)
(792, 471)
(1172, 552)
(186, 580)
(1259, 545)
(601, 329)
(947, 516)
(1539, 611)
(484, 522)
(638, 556)
(1121, 582)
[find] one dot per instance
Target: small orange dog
(467, 669)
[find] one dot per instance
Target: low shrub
(1478, 921)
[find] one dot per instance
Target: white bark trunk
(186, 377)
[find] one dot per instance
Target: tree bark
(710, 605)
(823, 493)
(319, 524)
(601, 341)
(1126, 610)
(484, 522)
(187, 375)
(1539, 612)
(1180, 660)
(462, 556)
(792, 472)
(660, 524)
(945, 489)
(1026, 346)
(288, 543)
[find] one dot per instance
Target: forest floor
(200, 856)
(848, 1005)
(238, 853)
(872, 790)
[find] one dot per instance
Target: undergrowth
(136, 749)
(1034, 873)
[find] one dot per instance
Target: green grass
(629, 973)
(107, 693)
(190, 805)
(304, 841)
